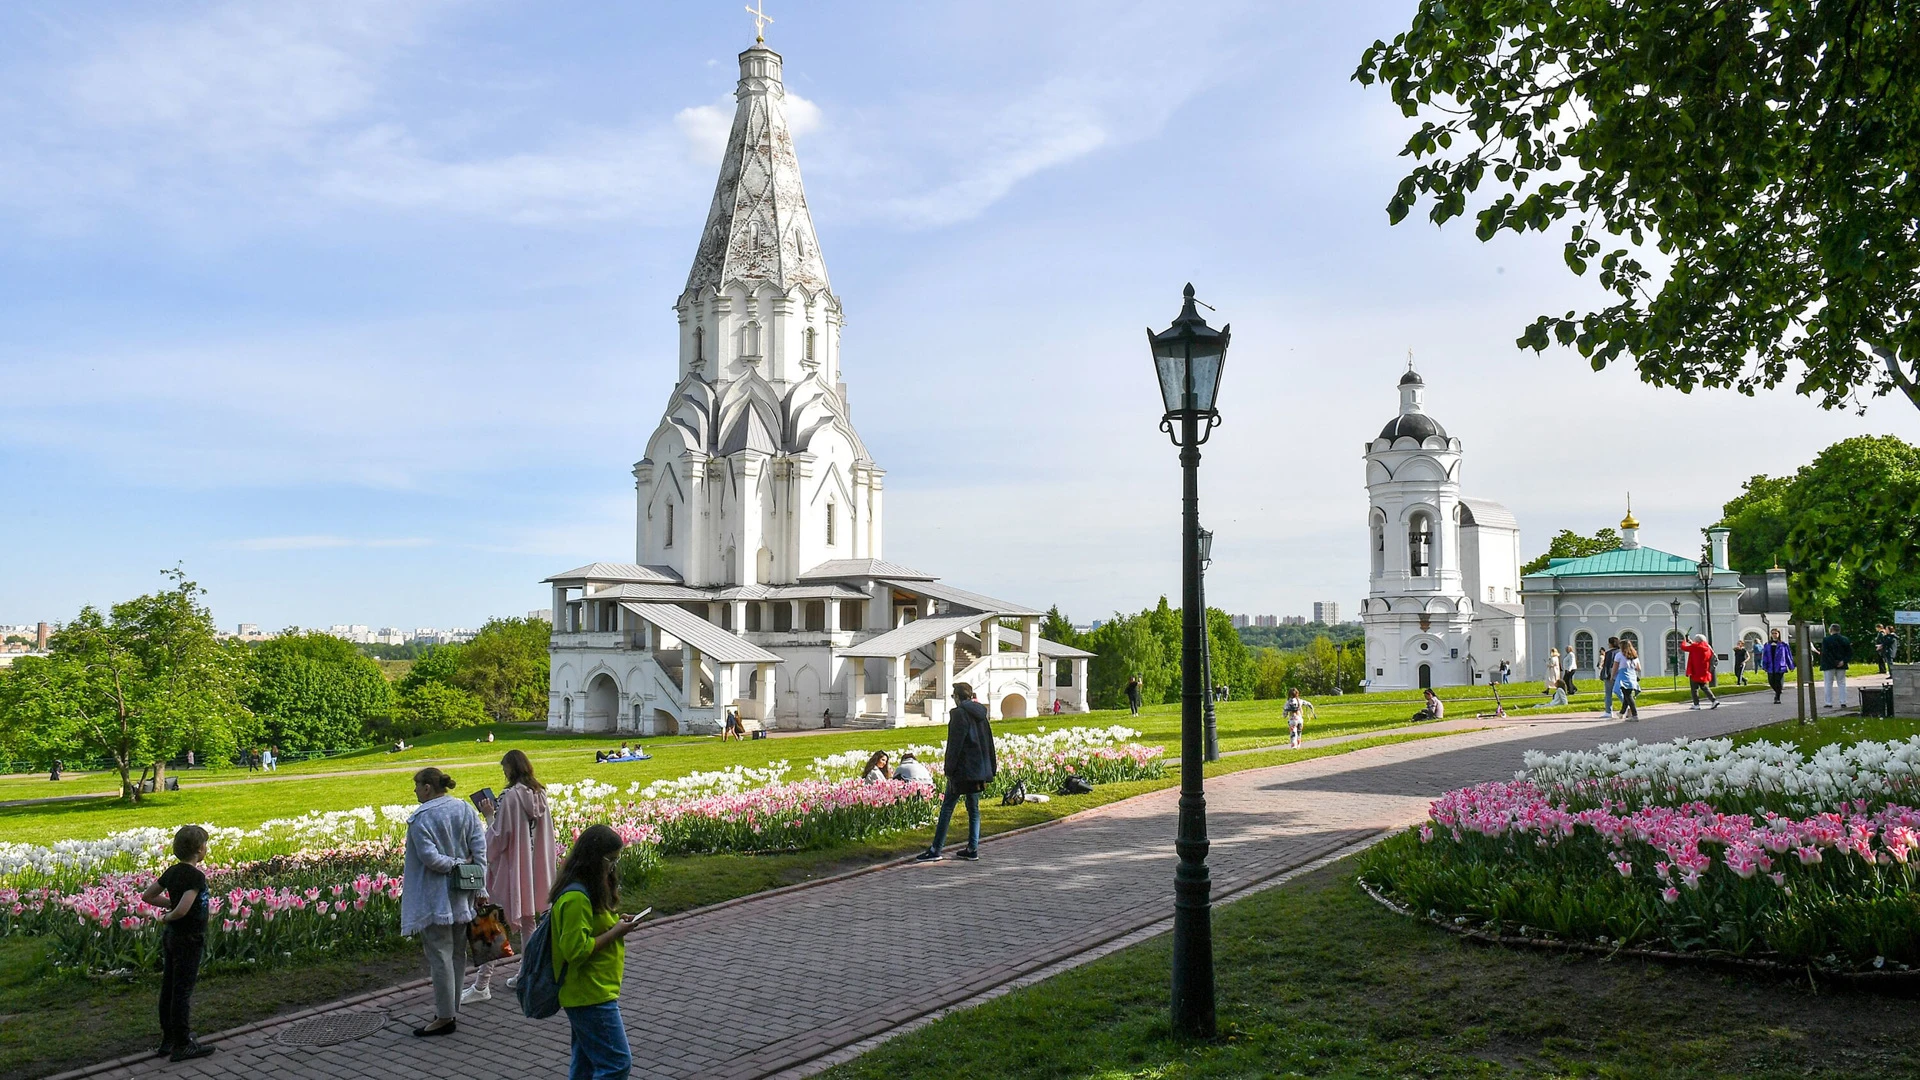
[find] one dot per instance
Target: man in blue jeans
(970, 767)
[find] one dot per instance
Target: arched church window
(809, 340)
(1583, 650)
(1420, 545)
(830, 524)
(1379, 545)
(669, 542)
(699, 344)
(1489, 594)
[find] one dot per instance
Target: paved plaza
(786, 983)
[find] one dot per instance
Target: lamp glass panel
(1171, 365)
(1206, 377)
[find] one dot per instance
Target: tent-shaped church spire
(759, 230)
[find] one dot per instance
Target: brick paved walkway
(787, 982)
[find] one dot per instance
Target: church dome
(1412, 425)
(1412, 378)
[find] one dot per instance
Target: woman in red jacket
(1700, 669)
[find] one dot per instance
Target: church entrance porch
(603, 704)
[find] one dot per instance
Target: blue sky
(361, 310)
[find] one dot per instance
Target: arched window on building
(1419, 545)
(810, 335)
(1673, 650)
(829, 524)
(699, 344)
(1379, 543)
(669, 542)
(1583, 650)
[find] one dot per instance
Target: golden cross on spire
(760, 21)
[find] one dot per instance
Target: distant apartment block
(1326, 611)
(544, 614)
(1240, 622)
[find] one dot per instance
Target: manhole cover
(334, 1028)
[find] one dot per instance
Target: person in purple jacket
(1776, 659)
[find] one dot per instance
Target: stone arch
(664, 723)
(1426, 676)
(1013, 707)
(603, 703)
(1377, 540)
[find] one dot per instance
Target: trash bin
(1876, 701)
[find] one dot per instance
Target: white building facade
(1443, 604)
(1651, 598)
(759, 582)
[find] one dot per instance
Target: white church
(1446, 604)
(759, 582)
(1443, 599)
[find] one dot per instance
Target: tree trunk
(128, 791)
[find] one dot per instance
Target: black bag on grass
(1074, 785)
(1015, 795)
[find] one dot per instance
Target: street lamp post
(1705, 570)
(1206, 645)
(1672, 668)
(1188, 358)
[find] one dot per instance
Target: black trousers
(1698, 688)
(1566, 680)
(1777, 680)
(179, 971)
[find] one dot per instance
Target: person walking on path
(1133, 695)
(443, 833)
(970, 767)
(1836, 652)
(183, 940)
(1888, 647)
(590, 954)
(520, 857)
(1569, 664)
(1609, 666)
(1699, 669)
(1626, 678)
(1740, 662)
(1296, 712)
(1776, 659)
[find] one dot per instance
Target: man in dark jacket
(1836, 652)
(970, 767)
(1776, 659)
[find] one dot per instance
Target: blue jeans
(1611, 683)
(946, 818)
(599, 1043)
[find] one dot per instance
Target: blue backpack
(539, 988)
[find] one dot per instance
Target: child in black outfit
(182, 941)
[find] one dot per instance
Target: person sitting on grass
(1435, 708)
(183, 940)
(876, 768)
(913, 770)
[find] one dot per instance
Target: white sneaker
(1695, 708)
(514, 983)
(475, 993)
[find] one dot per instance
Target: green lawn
(1832, 729)
(1314, 979)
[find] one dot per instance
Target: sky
(361, 310)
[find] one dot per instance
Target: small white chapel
(759, 582)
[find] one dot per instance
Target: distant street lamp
(1705, 570)
(1673, 668)
(1187, 359)
(1206, 644)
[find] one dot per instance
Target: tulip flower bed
(1796, 861)
(1042, 761)
(782, 817)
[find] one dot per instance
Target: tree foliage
(1765, 150)
(506, 667)
(1845, 527)
(433, 706)
(140, 684)
(1572, 545)
(314, 691)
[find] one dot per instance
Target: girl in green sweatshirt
(590, 952)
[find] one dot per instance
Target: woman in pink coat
(520, 857)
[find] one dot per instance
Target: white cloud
(706, 127)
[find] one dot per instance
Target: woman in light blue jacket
(441, 835)
(1626, 680)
